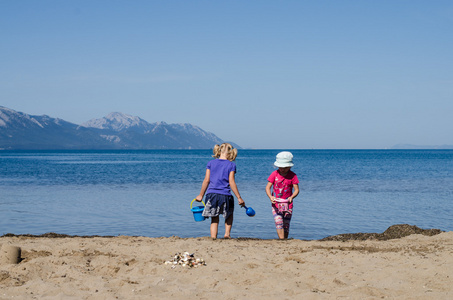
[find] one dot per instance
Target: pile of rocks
(185, 260)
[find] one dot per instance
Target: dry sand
(412, 267)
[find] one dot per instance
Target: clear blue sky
(264, 74)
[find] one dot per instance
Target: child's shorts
(282, 220)
(218, 204)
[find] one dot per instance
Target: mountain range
(20, 131)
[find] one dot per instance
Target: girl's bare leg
(281, 233)
(228, 225)
(214, 226)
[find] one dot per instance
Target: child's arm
(269, 193)
(295, 193)
(234, 188)
(204, 185)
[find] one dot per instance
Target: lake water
(148, 193)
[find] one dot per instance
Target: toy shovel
(249, 211)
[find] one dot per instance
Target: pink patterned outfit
(282, 189)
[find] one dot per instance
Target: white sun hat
(284, 159)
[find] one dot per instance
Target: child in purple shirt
(217, 184)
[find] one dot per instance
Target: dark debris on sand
(52, 235)
(393, 232)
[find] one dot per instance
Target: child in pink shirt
(285, 188)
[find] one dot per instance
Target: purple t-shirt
(219, 182)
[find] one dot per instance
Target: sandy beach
(416, 266)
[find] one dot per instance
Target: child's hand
(241, 202)
(199, 198)
(290, 199)
(273, 200)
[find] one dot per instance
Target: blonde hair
(225, 148)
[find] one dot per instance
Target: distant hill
(114, 131)
(421, 147)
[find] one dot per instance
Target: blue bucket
(197, 211)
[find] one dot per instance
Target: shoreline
(416, 266)
(393, 232)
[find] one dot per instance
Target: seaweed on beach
(393, 232)
(53, 235)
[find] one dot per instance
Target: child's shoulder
(218, 161)
(274, 174)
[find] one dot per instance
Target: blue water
(148, 193)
